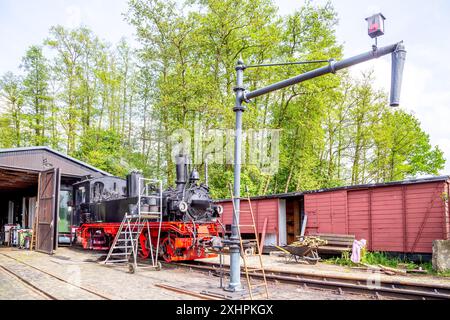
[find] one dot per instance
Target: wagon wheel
(168, 249)
(144, 245)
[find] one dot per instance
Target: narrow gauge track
(341, 285)
(28, 284)
(39, 290)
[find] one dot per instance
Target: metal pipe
(235, 256)
(398, 63)
(333, 67)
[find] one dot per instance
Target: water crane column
(398, 60)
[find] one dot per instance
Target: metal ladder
(126, 242)
(258, 252)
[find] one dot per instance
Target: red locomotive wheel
(168, 249)
(144, 246)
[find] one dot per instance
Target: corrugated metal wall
(42, 160)
(262, 209)
(403, 218)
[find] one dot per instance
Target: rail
(342, 285)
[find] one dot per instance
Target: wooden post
(263, 236)
(296, 219)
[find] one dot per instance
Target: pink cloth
(356, 250)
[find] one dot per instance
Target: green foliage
(102, 149)
(384, 259)
(36, 93)
(116, 107)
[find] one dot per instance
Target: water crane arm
(398, 58)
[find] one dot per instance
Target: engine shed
(398, 217)
(39, 178)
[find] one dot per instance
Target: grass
(380, 258)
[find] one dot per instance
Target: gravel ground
(12, 289)
(278, 263)
(81, 269)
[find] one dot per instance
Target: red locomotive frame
(179, 241)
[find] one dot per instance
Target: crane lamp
(376, 25)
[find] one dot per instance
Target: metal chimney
(181, 169)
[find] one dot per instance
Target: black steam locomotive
(107, 199)
(190, 218)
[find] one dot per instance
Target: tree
(102, 149)
(403, 150)
(36, 92)
(11, 91)
(117, 107)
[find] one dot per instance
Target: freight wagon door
(47, 210)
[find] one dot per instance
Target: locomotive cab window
(80, 195)
(98, 189)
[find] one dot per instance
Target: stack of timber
(312, 242)
(336, 243)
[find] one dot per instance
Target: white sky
(421, 24)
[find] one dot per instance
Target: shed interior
(18, 198)
(17, 190)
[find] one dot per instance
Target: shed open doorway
(18, 192)
(295, 215)
(23, 195)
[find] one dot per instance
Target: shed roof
(42, 158)
(355, 187)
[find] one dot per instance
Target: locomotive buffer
(126, 242)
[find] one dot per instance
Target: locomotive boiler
(190, 218)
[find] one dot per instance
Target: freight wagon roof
(355, 187)
(32, 161)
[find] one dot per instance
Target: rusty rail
(393, 289)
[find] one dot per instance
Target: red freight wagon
(266, 212)
(398, 217)
(402, 217)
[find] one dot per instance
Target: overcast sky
(421, 24)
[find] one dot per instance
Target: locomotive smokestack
(398, 63)
(181, 166)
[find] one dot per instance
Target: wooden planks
(398, 218)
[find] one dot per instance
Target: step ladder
(258, 253)
(34, 234)
(125, 247)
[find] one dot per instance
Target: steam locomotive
(190, 224)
